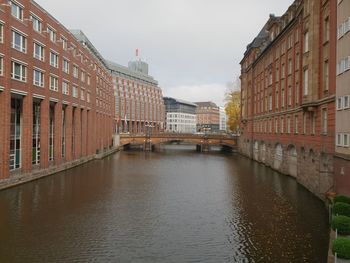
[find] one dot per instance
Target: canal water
(176, 205)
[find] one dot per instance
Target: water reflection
(170, 206)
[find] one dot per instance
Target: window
(37, 24)
(326, 76)
(270, 102)
(306, 42)
(88, 79)
(64, 43)
(75, 71)
(53, 83)
(82, 76)
(54, 59)
(339, 141)
(1, 33)
(297, 61)
(306, 82)
(52, 34)
(65, 66)
(326, 29)
(283, 98)
(282, 125)
(18, 42)
(38, 51)
(283, 71)
(38, 78)
(346, 140)
(65, 87)
(290, 66)
(88, 97)
(313, 122)
(16, 11)
(346, 104)
(288, 124)
(304, 123)
(290, 96)
(75, 91)
(82, 95)
(276, 125)
(343, 65)
(19, 71)
(1, 66)
(296, 124)
(340, 103)
(277, 100)
(324, 121)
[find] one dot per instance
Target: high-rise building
(180, 116)
(342, 137)
(56, 95)
(288, 94)
(138, 98)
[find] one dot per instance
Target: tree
(233, 106)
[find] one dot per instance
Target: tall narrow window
(306, 82)
(1, 66)
(36, 134)
(306, 42)
(38, 78)
(52, 132)
(16, 134)
(37, 24)
(324, 120)
(1, 33)
(313, 123)
(52, 34)
(38, 51)
(304, 123)
(326, 75)
(19, 71)
(326, 29)
(296, 124)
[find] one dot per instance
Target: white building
(180, 116)
(223, 119)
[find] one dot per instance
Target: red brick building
(56, 94)
(138, 98)
(288, 94)
(208, 116)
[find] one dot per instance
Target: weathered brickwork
(288, 94)
(56, 94)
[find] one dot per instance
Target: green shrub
(341, 246)
(342, 224)
(342, 209)
(342, 198)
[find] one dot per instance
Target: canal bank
(168, 206)
(22, 178)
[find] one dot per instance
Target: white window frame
(345, 143)
(41, 56)
(339, 103)
(37, 23)
(52, 34)
(23, 72)
(53, 83)
(22, 47)
(65, 66)
(16, 10)
(306, 42)
(306, 82)
(65, 87)
(339, 140)
(39, 83)
(1, 33)
(75, 91)
(54, 59)
(1, 66)
(347, 99)
(75, 71)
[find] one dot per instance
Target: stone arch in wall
(256, 151)
(292, 161)
(263, 152)
(278, 156)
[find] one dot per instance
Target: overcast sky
(193, 47)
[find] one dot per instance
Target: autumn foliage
(233, 107)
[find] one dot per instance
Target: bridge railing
(179, 135)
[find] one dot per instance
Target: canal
(170, 206)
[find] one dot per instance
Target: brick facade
(29, 77)
(288, 94)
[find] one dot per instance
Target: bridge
(203, 142)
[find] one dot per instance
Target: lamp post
(148, 136)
